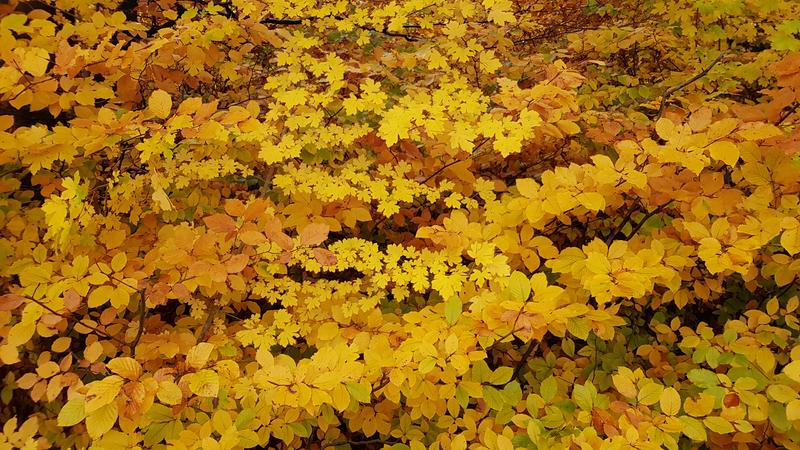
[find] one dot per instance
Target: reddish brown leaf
(285, 257)
(10, 301)
(731, 400)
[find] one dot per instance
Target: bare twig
(532, 347)
(788, 113)
(646, 217)
(96, 330)
(142, 313)
(622, 224)
(665, 97)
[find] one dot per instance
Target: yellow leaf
(793, 410)
(72, 412)
(125, 367)
(790, 240)
(597, 263)
(9, 354)
(21, 332)
(725, 151)
(103, 392)
(119, 261)
(198, 355)
(693, 429)
(761, 131)
(161, 198)
(120, 298)
(718, 425)
(593, 201)
(93, 351)
(504, 443)
(327, 331)
(650, 393)
(102, 420)
(204, 383)
(624, 385)
(792, 370)
(700, 407)
(169, 393)
(100, 295)
(568, 126)
(160, 104)
(665, 128)
(35, 61)
(670, 401)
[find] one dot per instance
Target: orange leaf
(252, 237)
(314, 234)
(234, 207)
(237, 263)
(220, 223)
(282, 239)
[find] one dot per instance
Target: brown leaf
(181, 291)
(731, 400)
(324, 256)
(72, 300)
(314, 234)
(220, 223)
(10, 301)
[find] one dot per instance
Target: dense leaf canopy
(406, 224)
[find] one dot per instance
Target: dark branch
(674, 89)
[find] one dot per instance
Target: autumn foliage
(407, 224)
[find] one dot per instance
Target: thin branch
(96, 330)
(532, 347)
(665, 97)
(622, 224)
(207, 324)
(788, 113)
(646, 217)
(367, 442)
(142, 313)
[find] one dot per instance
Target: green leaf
(549, 388)
(244, 418)
(493, 398)
(583, 396)
(248, 438)
(718, 425)
(502, 375)
(159, 413)
(693, 429)
(452, 309)
(359, 392)
(512, 393)
(703, 378)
